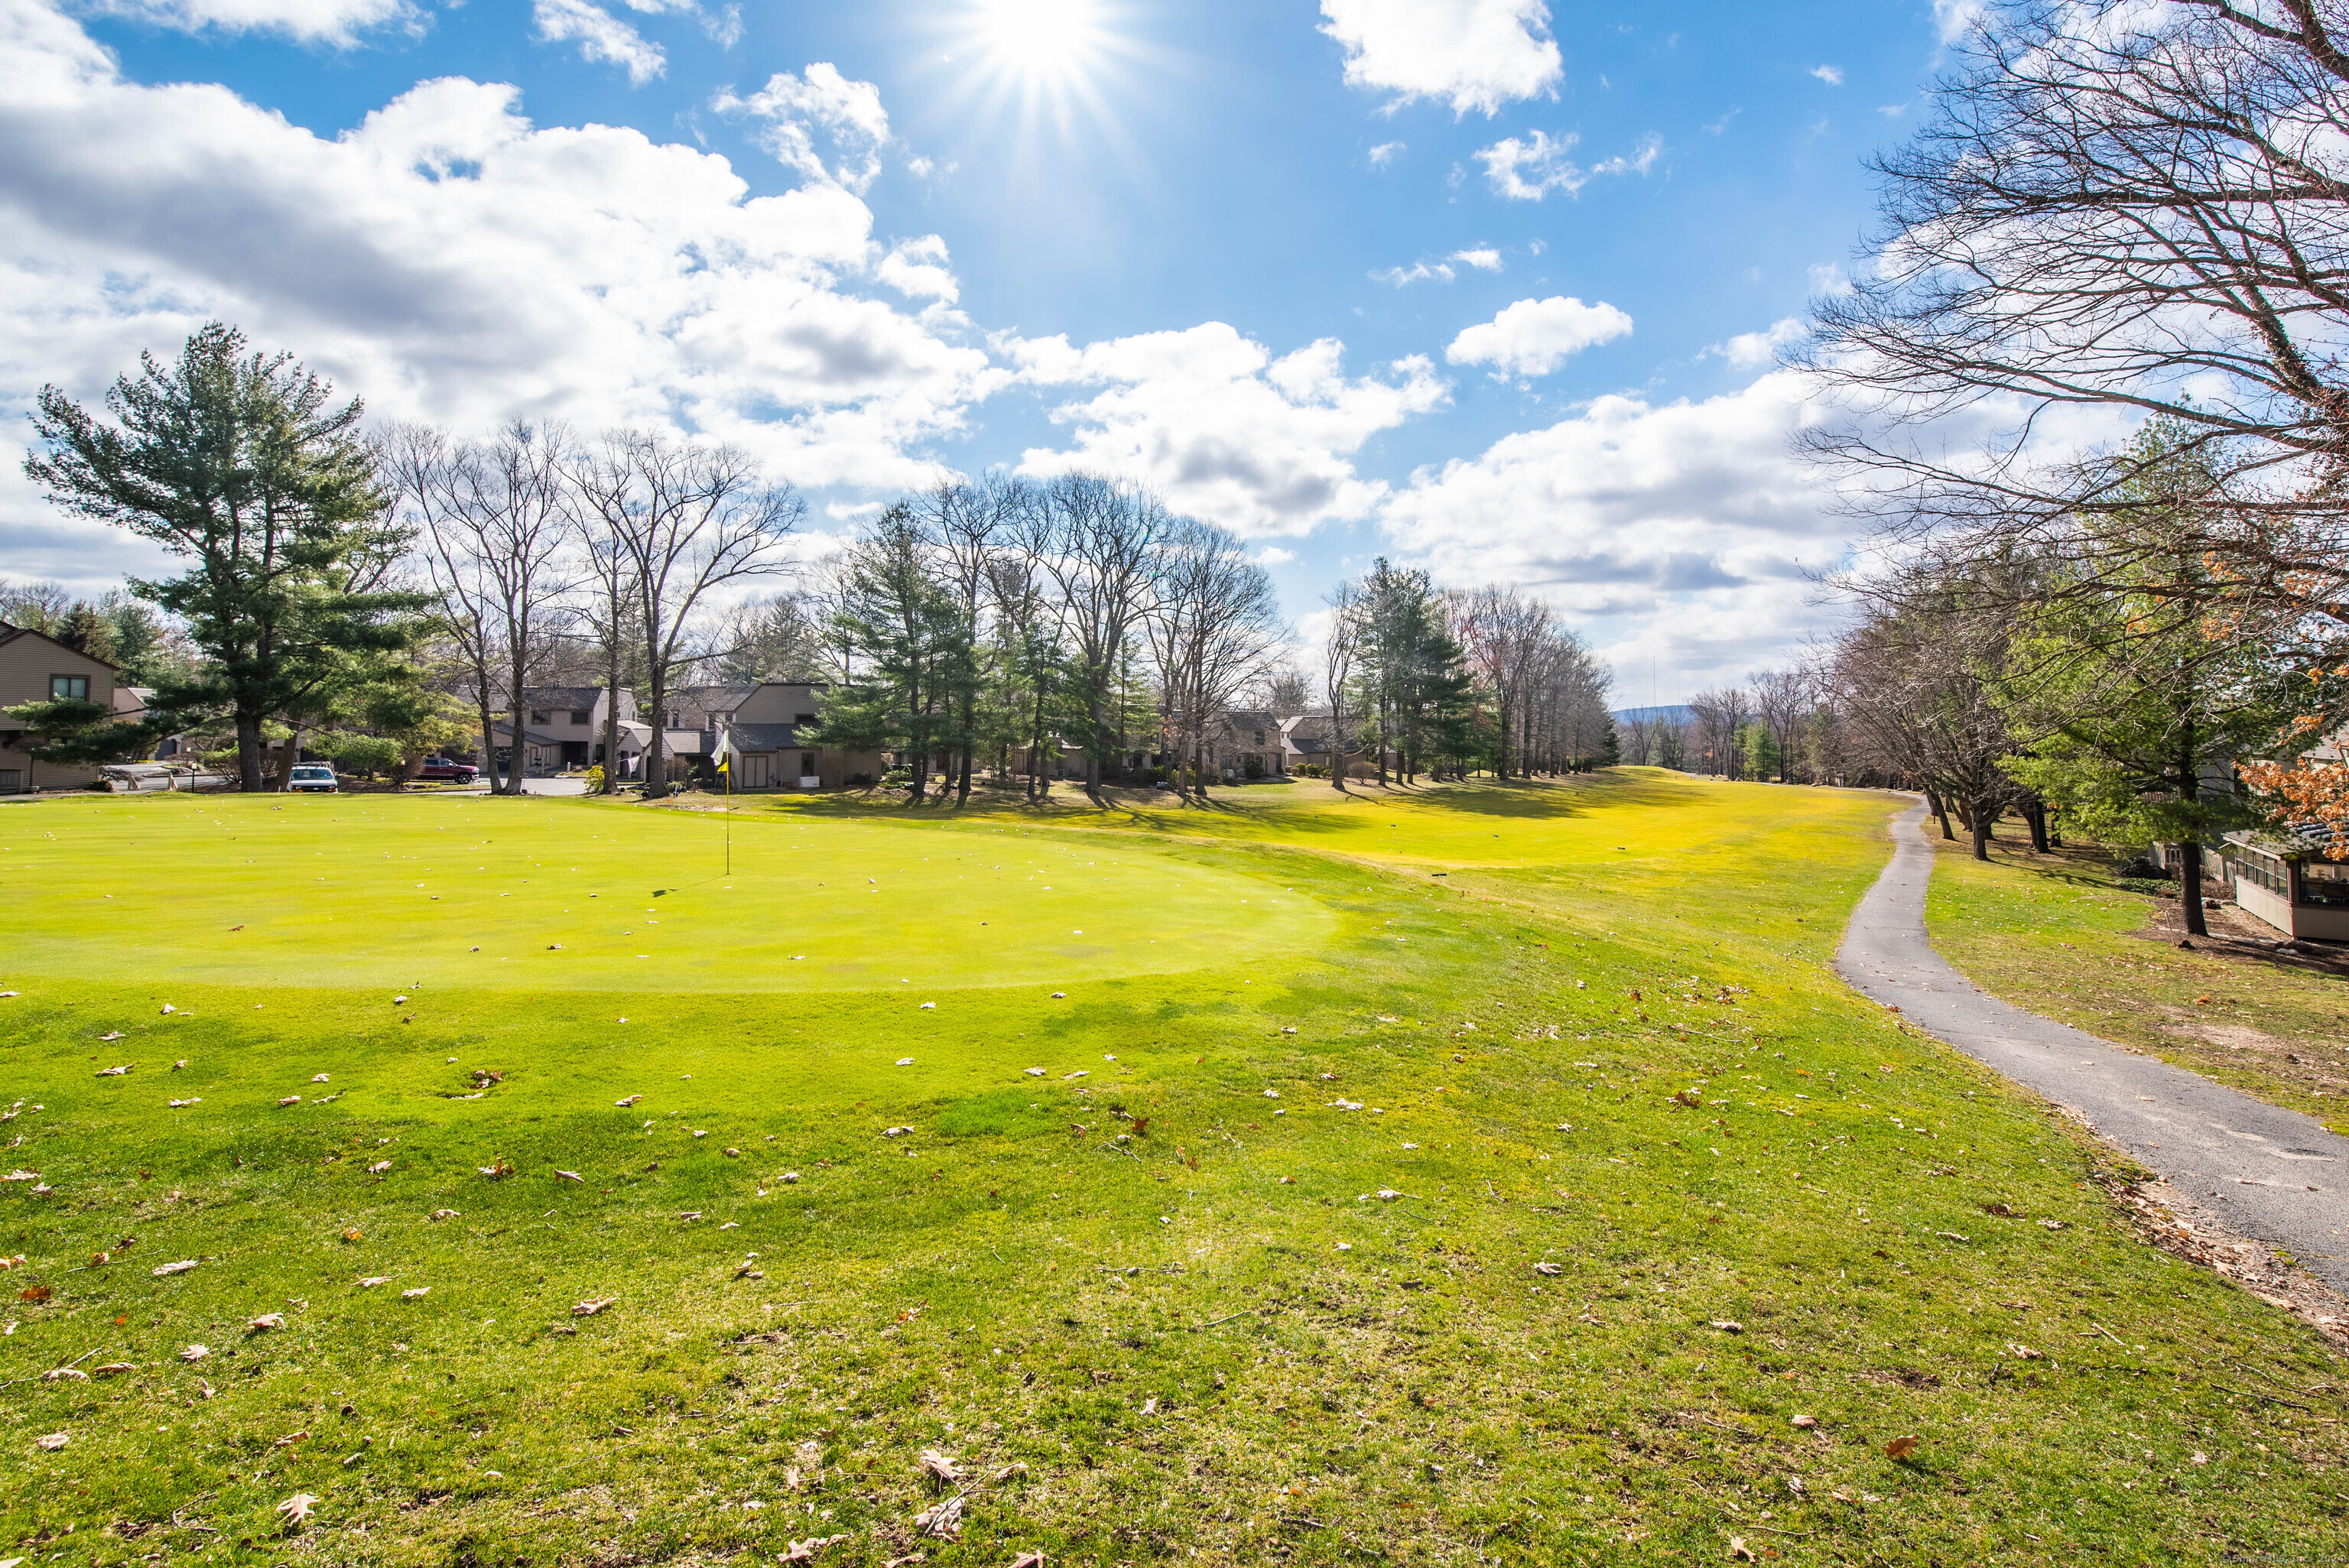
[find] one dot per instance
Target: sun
(1042, 40)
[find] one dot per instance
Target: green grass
(2060, 933)
(1175, 1301)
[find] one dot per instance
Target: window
(582, 715)
(538, 716)
(2267, 872)
(2324, 884)
(63, 688)
(802, 718)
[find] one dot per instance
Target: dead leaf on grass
(943, 1521)
(937, 1467)
(1901, 1448)
(593, 1305)
(52, 1443)
(265, 1323)
(446, 1214)
(182, 1266)
(297, 1509)
(1547, 1268)
(1739, 1551)
(195, 1352)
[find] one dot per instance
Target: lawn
(2061, 934)
(1241, 1188)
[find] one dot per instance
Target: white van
(313, 778)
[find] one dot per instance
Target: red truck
(441, 770)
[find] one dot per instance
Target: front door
(759, 771)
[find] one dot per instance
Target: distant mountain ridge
(1676, 713)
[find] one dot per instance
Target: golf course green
(1484, 1173)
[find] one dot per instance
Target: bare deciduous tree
(1104, 562)
(684, 520)
(498, 532)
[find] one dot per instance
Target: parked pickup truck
(440, 768)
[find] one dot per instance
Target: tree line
(376, 596)
(2116, 216)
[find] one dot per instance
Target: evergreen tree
(903, 625)
(240, 462)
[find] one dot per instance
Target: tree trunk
(656, 751)
(611, 723)
(248, 752)
(1979, 822)
(1940, 809)
(2036, 813)
(2190, 877)
(2190, 888)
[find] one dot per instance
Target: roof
(2290, 842)
(534, 737)
(561, 696)
(9, 634)
(1252, 718)
(751, 737)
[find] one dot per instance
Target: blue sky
(1489, 285)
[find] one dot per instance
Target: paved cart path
(2276, 1175)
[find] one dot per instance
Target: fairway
(1471, 1173)
(422, 893)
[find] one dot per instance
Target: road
(2275, 1175)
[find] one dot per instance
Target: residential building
(1247, 743)
(767, 733)
(2282, 880)
(562, 729)
(38, 668)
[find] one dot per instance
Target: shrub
(1311, 770)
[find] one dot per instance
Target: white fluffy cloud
(453, 261)
(1534, 337)
(1227, 432)
(793, 113)
(1753, 350)
(1529, 169)
(1472, 54)
(1831, 74)
(603, 39)
(338, 22)
(1699, 516)
(1484, 258)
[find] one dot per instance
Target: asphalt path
(2273, 1174)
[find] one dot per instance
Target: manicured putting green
(420, 892)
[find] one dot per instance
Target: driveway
(2276, 1175)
